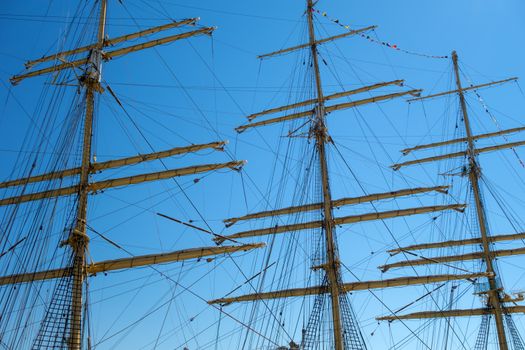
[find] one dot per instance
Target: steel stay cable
(285, 170)
(102, 236)
(187, 289)
(391, 234)
(32, 253)
(164, 165)
(185, 194)
(196, 106)
(388, 229)
(176, 182)
(390, 310)
(38, 256)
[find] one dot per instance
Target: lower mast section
(493, 295)
(496, 301)
(78, 239)
(342, 315)
(332, 264)
(67, 309)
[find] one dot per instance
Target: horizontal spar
(374, 99)
(457, 243)
(73, 64)
(326, 98)
(337, 203)
(219, 145)
(457, 154)
(130, 180)
(327, 109)
(349, 287)
(36, 276)
(114, 163)
(464, 89)
(452, 258)
(451, 313)
(113, 41)
(321, 41)
(149, 31)
(126, 263)
(152, 259)
(157, 42)
(161, 175)
(109, 55)
(463, 139)
(341, 221)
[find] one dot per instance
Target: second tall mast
(319, 130)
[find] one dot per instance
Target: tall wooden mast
(78, 238)
(495, 293)
(474, 172)
(321, 136)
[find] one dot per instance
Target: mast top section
(470, 137)
(316, 42)
(462, 89)
(66, 63)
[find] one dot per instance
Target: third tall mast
(474, 172)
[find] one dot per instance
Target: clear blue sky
(199, 92)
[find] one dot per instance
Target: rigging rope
(495, 121)
(376, 41)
